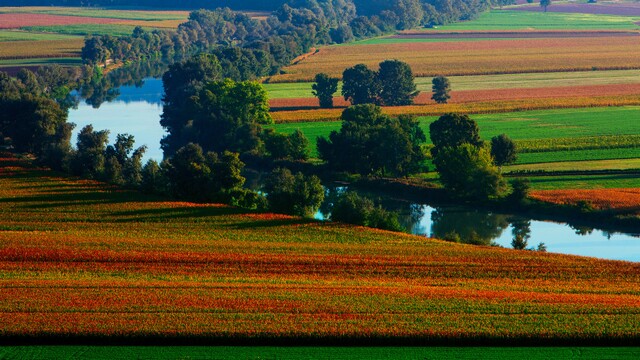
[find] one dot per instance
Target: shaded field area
(80, 259)
(476, 57)
(221, 352)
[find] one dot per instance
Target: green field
(529, 125)
(336, 353)
(524, 20)
(17, 35)
(584, 182)
(85, 29)
(100, 13)
(578, 155)
(42, 61)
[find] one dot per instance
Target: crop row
(603, 199)
(477, 57)
(489, 107)
(83, 258)
(581, 143)
(15, 21)
(40, 49)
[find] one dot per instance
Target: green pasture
(85, 29)
(17, 35)
(525, 20)
(614, 181)
(615, 164)
(542, 125)
(336, 353)
(486, 82)
(577, 155)
(99, 13)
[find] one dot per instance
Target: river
(136, 111)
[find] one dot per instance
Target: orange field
(424, 98)
(79, 258)
(476, 57)
(480, 107)
(48, 48)
(620, 200)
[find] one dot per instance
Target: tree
(440, 88)
(545, 4)
(503, 150)
(293, 194)
(370, 142)
(223, 115)
(360, 85)
(397, 86)
(519, 190)
(324, 88)
(467, 171)
(89, 159)
(521, 234)
(452, 130)
(352, 208)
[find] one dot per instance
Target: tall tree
(452, 130)
(545, 4)
(360, 85)
(397, 86)
(440, 88)
(503, 150)
(324, 88)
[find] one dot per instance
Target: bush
(293, 194)
(354, 209)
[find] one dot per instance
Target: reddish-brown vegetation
(622, 200)
(14, 21)
(80, 258)
(424, 98)
(41, 49)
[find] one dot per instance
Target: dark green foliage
(519, 190)
(370, 142)
(89, 159)
(222, 115)
(242, 64)
(397, 86)
(503, 150)
(153, 180)
(324, 88)
(440, 88)
(545, 4)
(293, 194)
(521, 234)
(467, 171)
(360, 85)
(294, 146)
(193, 175)
(452, 130)
(351, 208)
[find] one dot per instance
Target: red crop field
(424, 98)
(14, 21)
(621, 200)
(476, 57)
(480, 107)
(79, 258)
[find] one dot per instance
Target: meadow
(522, 20)
(79, 257)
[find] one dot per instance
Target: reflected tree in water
(478, 228)
(521, 231)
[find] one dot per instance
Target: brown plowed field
(486, 95)
(477, 57)
(15, 21)
(627, 200)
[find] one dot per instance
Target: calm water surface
(137, 112)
